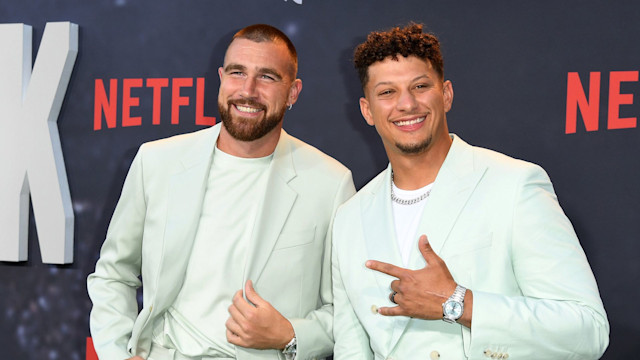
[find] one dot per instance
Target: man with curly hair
(453, 251)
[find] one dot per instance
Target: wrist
(465, 320)
(453, 308)
(288, 336)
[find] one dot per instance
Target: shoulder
(170, 154)
(308, 158)
(180, 142)
(497, 162)
(364, 195)
(500, 171)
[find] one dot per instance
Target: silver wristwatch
(453, 308)
(291, 349)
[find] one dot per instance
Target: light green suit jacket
(153, 228)
(497, 224)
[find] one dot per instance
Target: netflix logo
(163, 94)
(586, 98)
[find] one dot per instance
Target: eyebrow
(271, 72)
(426, 76)
(234, 67)
(263, 70)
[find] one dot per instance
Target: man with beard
(454, 251)
(228, 227)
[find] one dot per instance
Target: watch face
(453, 309)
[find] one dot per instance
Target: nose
(406, 101)
(249, 88)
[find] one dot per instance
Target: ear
(366, 111)
(447, 88)
(294, 91)
(220, 73)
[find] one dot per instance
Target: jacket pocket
(293, 238)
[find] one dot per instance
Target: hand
(136, 358)
(258, 327)
(420, 293)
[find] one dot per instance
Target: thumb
(251, 293)
(425, 248)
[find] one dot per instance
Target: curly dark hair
(409, 40)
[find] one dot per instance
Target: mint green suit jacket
(497, 224)
(153, 228)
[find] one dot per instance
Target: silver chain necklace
(397, 200)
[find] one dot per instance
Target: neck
(249, 149)
(414, 171)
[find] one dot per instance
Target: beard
(415, 148)
(244, 129)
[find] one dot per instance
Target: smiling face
(407, 101)
(257, 83)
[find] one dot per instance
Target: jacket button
(374, 309)
(434, 355)
(488, 353)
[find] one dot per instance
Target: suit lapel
(380, 237)
(456, 181)
(184, 206)
(381, 242)
(274, 209)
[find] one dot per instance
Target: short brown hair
(263, 32)
(406, 41)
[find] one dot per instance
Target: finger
(426, 250)
(241, 304)
(235, 329)
(236, 314)
(395, 286)
(237, 297)
(397, 299)
(252, 295)
(391, 311)
(385, 268)
(234, 338)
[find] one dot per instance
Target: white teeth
(409, 122)
(247, 109)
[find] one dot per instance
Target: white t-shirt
(407, 218)
(193, 325)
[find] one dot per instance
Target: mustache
(247, 102)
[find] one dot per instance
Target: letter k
(31, 161)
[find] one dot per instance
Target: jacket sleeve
(559, 314)
(112, 287)
(314, 333)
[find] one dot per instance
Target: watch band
(453, 308)
(291, 349)
(458, 294)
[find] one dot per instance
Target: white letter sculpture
(31, 161)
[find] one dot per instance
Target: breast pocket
(294, 238)
(289, 269)
(470, 259)
(471, 245)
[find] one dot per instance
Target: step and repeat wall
(84, 83)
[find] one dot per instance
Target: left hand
(258, 327)
(420, 293)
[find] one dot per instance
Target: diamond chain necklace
(397, 200)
